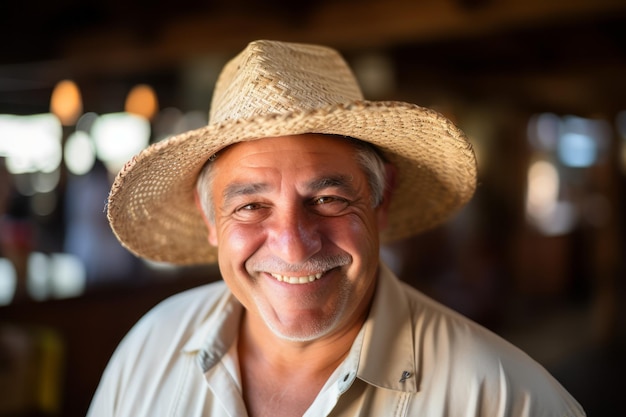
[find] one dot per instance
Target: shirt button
(405, 375)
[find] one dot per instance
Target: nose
(294, 235)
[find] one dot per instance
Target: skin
(289, 208)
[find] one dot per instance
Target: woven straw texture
(276, 89)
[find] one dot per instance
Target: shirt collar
(214, 337)
(387, 357)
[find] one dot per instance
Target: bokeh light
(80, 153)
(119, 136)
(31, 143)
(577, 150)
(8, 281)
(142, 101)
(620, 124)
(582, 141)
(544, 210)
(543, 189)
(66, 102)
(544, 130)
(68, 276)
(58, 275)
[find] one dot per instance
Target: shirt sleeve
(105, 397)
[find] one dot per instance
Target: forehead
(304, 159)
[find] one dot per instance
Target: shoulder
(191, 304)
(442, 334)
(170, 324)
(153, 350)
(471, 363)
(161, 334)
(182, 312)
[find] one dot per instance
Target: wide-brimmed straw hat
(276, 89)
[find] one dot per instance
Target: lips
(297, 280)
(304, 273)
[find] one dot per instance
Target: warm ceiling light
(66, 102)
(142, 101)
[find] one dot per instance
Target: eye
(250, 211)
(251, 206)
(329, 205)
(324, 200)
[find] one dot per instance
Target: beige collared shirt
(413, 357)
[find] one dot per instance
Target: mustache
(315, 264)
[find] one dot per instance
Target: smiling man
(291, 188)
(297, 235)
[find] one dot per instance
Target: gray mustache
(315, 264)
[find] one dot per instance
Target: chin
(309, 333)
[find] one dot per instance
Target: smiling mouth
(297, 280)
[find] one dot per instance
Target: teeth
(297, 280)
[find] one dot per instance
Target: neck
(290, 373)
(259, 345)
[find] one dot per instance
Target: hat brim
(151, 206)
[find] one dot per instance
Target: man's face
(297, 233)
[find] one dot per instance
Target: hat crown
(270, 77)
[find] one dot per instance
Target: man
(290, 188)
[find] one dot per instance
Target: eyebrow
(343, 182)
(242, 189)
(238, 189)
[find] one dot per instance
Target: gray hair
(367, 156)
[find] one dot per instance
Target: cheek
(357, 234)
(240, 240)
(236, 246)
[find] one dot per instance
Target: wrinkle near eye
(250, 212)
(332, 206)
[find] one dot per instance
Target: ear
(212, 232)
(390, 186)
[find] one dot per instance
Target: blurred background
(539, 86)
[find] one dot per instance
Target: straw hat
(276, 89)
